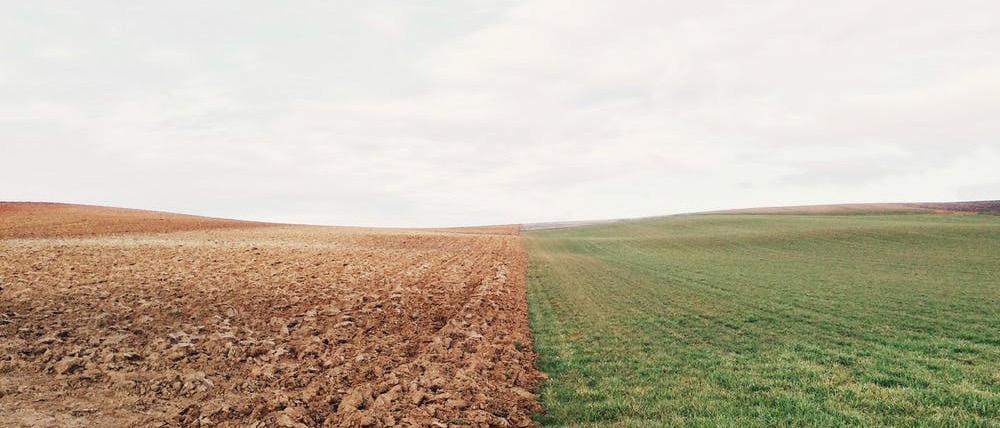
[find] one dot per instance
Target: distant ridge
(566, 224)
(968, 207)
(990, 207)
(986, 207)
(48, 219)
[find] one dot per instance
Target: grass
(764, 320)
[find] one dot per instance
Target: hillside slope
(989, 207)
(45, 219)
(769, 320)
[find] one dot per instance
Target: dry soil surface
(222, 323)
(41, 220)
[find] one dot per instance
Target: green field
(766, 320)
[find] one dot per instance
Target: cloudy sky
(477, 112)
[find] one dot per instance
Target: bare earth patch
(42, 219)
(264, 325)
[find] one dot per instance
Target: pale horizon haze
(458, 113)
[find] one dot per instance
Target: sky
(439, 113)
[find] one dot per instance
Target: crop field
(132, 318)
(763, 320)
(115, 317)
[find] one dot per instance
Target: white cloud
(380, 113)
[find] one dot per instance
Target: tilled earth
(264, 325)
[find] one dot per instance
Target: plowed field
(190, 321)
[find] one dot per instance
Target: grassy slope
(769, 320)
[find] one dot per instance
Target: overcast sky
(480, 112)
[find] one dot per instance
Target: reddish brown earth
(110, 319)
(41, 220)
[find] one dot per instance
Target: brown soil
(41, 220)
(259, 325)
